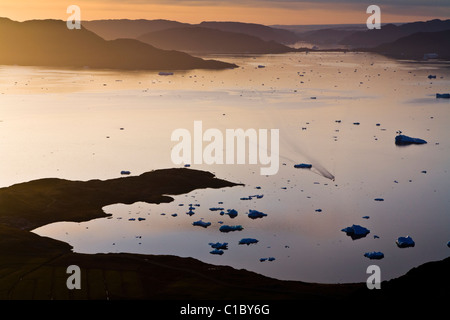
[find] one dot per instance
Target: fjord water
(338, 111)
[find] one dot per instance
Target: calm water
(84, 124)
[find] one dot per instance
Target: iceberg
(227, 228)
(217, 251)
(254, 214)
(374, 255)
(405, 242)
(248, 241)
(303, 166)
(232, 213)
(201, 223)
(405, 140)
(356, 231)
(165, 73)
(219, 245)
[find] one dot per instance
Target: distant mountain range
(237, 37)
(207, 40)
(124, 28)
(51, 43)
(390, 32)
(162, 44)
(417, 45)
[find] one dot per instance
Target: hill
(391, 32)
(124, 28)
(51, 43)
(206, 40)
(257, 30)
(415, 46)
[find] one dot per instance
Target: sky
(269, 12)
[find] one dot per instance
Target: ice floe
(201, 223)
(374, 255)
(254, 214)
(405, 140)
(227, 228)
(356, 231)
(405, 242)
(248, 241)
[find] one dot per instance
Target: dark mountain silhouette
(415, 46)
(125, 28)
(206, 40)
(51, 43)
(325, 36)
(257, 30)
(391, 32)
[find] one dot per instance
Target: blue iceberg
(303, 166)
(217, 251)
(374, 255)
(232, 213)
(403, 140)
(201, 223)
(405, 242)
(227, 228)
(254, 214)
(356, 231)
(219, 245)
(248, 241)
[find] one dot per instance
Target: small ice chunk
(248, 241)
(216, 251)
(219, 245)
(378, 199)
(162, 73)
(227, 228)
(125, 172)
(405, 140)
(232, 213)
(216, 209)
(405, 242)
(442, 95)
(374, 255)
(356, 231)
(303, 166)
(254, 214)
(201, 223)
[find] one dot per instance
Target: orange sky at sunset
(265, 12)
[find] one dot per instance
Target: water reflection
(82, 124)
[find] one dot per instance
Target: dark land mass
(51, 43)
(253, 29)
(417, 45)
(113, 29)
(124, 28)
(390, 32)
(207, 40)
(35, 268)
